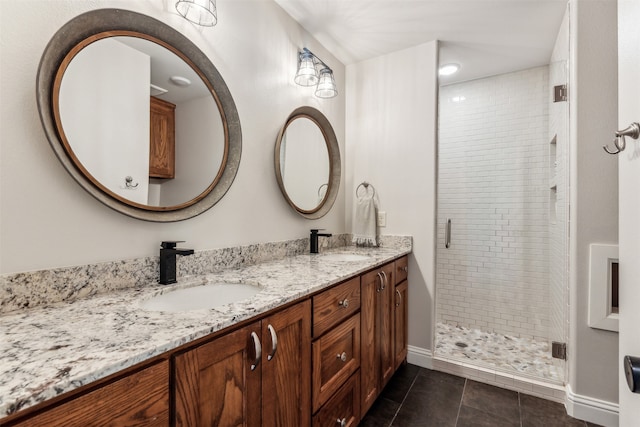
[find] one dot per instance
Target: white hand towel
(365, 222)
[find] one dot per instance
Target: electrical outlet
(382, 219)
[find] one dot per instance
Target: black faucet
(314, 240)
(168, 261)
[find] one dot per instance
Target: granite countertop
(47, 351)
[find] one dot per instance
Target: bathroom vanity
(315, 347)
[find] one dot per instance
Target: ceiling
(486, 37)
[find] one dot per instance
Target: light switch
(382, 219)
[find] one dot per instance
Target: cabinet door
(162, 139)
(371, 284)
(401, 321)
(286, 367)
(387, 366)
(138, 399)
(215, 385)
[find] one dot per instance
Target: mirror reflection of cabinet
(162, 151)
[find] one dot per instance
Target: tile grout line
(461, 398)
(403, 399)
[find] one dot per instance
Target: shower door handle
(447, 234)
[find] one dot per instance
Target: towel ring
(320, 188)
(366, 186)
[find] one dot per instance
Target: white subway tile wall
(493, 184)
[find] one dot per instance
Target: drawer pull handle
(342, 356)
(344, 303)
(381, 283)
(398, 304)
(274, 342)
(384, 285)
(258, 348)
(342, 422)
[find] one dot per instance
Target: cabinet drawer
(402, 269)
(344, 405)
(332, 306)
(336, 356)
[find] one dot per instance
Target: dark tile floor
(418, 397)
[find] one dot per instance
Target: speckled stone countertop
(47, 351)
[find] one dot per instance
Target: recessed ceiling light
(448, 69)
(180, 81)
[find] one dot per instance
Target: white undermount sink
(345, 257)
(200, 297)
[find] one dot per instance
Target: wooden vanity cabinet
(258, 375)
(401, 313)
(162, 148)
(137, 399)
(376, 333)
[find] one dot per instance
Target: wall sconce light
(308, 74)
(200, 12)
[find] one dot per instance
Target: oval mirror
(138, 115)
(307, 162)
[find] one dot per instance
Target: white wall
(391, 143)
(493, 184)
(47, 220)
(593, 353)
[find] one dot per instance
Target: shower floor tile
(501, 352)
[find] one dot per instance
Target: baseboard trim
(591, 409)
(420, 356)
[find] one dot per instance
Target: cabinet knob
(342, 356)
(342, 422)
(344, 303)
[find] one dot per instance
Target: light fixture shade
(307, 74)
(201, 12)
(327, 84)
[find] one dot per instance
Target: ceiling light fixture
(200, 12)
(180, 81)
(308, 74)
(448, 69)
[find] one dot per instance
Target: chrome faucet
(314, 240)
(168, 261)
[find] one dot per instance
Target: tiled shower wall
(493, 185)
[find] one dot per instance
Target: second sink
(200, 297)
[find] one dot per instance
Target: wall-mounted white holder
(600, 314)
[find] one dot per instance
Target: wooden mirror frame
(96, 24)
(335, 166)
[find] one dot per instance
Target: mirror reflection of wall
(304, 160)
(105, 105)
